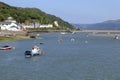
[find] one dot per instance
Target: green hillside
(28, 15)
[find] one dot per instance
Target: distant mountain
(106, 25)
(28, 15)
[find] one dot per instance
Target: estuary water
(79, 56)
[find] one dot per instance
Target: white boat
(63, 33)
(116, 37)
(34, 52)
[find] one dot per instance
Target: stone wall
(6, 33)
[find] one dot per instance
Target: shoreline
(20, 35)
(6, 36)
(101, 32)
(113, 35)
(77, 31)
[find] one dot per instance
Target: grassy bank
(5, 39)
(12, 35)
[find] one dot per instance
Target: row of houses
(10, 24)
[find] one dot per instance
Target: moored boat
(41, 42)
(6, 47)
(34, 52)
(29, 54)
(116, 37)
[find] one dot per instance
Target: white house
(46, 26)
(9, 24)
(56, 23)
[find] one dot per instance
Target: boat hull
(6, 48)
(29, 54)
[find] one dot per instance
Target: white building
(9, 24)
(56, 23)
(30, 25)
(46, 26)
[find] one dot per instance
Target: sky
(74, 11)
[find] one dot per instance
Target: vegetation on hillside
(30, 15)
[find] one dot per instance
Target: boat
(37, 36)
(29, 54)
(63, 33)
(41, 42)
(6, 47)
(34, 52)
(116, 37)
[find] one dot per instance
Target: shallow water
(80, 56)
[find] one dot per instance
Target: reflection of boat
(6, 47)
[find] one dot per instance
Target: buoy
(42, 52)
(72, 39)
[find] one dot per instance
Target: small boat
(32, 36)
(6, 47)
(34, 52)
(41, 43)
(63, 33)
(35, 36)
(116, 37)
(29, 54)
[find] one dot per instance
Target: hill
(28, 15)
(106, 25)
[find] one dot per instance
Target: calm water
(86, 57)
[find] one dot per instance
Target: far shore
(102, 32)
(24, 34)
(13, 35)
(47, 31)
(95, 32)
(107, 31)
